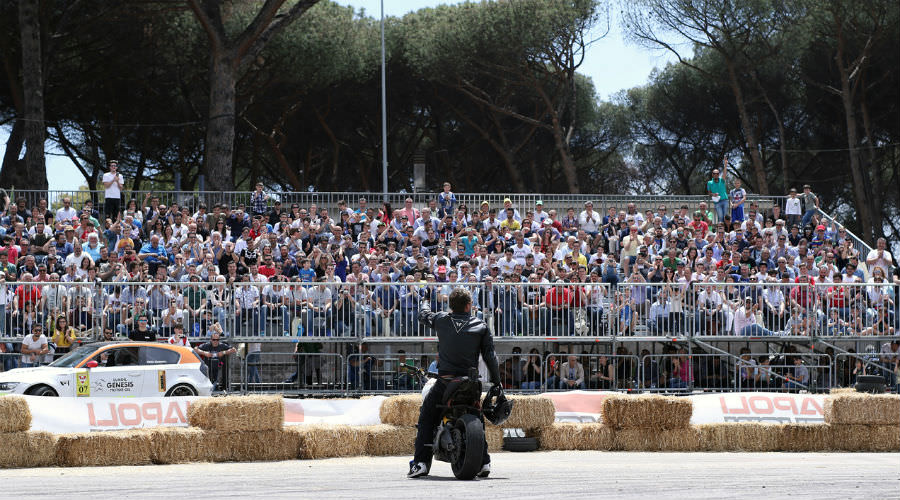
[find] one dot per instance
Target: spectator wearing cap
(113, 185)
(539, 214)
(507, 204)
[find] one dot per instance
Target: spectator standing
(718, 192)
(810, 204)
(258, 201)
(737, 195)
(113, 184)
(447, 200)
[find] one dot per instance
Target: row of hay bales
(251, 428)
(853, 422)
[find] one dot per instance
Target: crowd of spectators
(267, 268)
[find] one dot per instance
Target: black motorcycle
(459, 439)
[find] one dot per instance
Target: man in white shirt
(34, 347)
(880, 257)
(588, 220)
(745, 320)
(113, 184)
(66, 213)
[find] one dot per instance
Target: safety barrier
(292, 373)
(848, 367)
(383, 373)
(342, 312)
(329, 200)
(685, 372)
(573, 371)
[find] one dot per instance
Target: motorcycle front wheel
(468, 440)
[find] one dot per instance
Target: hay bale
(805, 437)
(647, 412)
(178, 445)
(104, 448)
(494, 437)
(530, 412)
(862, 409)
(389, 440)
(843, 390)
(572, 436)
(262, 446)
(15, 416)
(27, 449)
(320, 441)
(402, 410)
(687, 439)
(238, 413)
(739, 436)
(866, 437)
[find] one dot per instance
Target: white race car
(114, 369)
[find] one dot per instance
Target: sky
(611, 62)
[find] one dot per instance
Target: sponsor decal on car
(161, 379)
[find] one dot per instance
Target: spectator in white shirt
(113, 184)
(588, 220)
(880, 257)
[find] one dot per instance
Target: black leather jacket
(461, 338)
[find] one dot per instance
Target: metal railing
(292, 372)
(341, 312)
(329, 200)
(573, 371)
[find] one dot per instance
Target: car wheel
(181, 390)
(42, 390)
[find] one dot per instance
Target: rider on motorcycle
(461, 338)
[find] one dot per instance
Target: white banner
(64, 415)
(762, 407)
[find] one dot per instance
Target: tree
(228, 58)
(729, 28)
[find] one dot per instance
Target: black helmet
(496, 407)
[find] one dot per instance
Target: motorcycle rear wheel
(468, 437)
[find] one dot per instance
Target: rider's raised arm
(425, 315)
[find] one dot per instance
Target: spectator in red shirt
(27, 293)
(698, 225)
(559, 300)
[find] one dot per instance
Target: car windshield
(76, 356)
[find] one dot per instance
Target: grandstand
(322, 289)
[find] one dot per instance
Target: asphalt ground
(515, 476)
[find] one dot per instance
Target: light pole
(384, 161)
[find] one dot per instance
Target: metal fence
(292, 372)
(329, 200)
(573, 371)
(341, 312)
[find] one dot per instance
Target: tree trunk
(759, 170)
(874, 186)
(859, 179)
(220, 129)
(10, 174)
(33, 87)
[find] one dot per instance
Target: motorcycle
(459, 438)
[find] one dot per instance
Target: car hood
(26, 374)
